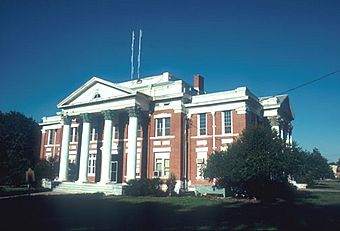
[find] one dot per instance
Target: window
(227, 122)
(138, 165)
(139, 131)
(74, 134)
(163, 126)
(202, 124)
(94, 134)
(162, 165)
(200, 164)
(92, 165)
(50, 137)
(114, 168)
(96, 96)
(115, 132)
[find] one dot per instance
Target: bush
(144, 187)
(171, 183)
(43, 169)
(72, 172)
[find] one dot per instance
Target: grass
(309, 210)
(10, 191)
(327, 184)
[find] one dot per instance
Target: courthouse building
(152, 127)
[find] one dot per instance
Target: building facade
(153, 127)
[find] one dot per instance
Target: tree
(309, 167)
(256, 165)
(19, 145)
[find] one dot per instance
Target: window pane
(116, 134)
(167, 126)
(50, 135)
(159, 125)
(203, 124)
(227, 122)
(139, 130)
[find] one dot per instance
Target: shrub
(43, 169)
(144, 187)
(171, 183)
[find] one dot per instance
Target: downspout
(185, 153)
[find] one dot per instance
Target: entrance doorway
(114, 171)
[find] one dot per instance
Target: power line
(310, 82)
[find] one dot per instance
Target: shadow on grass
(95, 212)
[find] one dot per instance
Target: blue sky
(50, 48)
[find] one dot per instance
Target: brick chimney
(199, 84)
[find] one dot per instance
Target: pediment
(94, 90)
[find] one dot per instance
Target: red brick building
(153, 127)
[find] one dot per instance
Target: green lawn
(328, 184)
(310, 210)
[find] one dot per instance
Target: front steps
(72, 187)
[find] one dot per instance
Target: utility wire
(310, 82)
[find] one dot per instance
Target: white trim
(54, 126)
(228, 135)
(162, 115)
(201, 137)
(166, 142)
(201, 142)
(203, 149)
(157, 143)
(227, 141)
(166, 149)
(161, 137)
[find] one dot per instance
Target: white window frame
(50, 137)
(200, 166)
(115, 130)
(91, 167)
(138, 164)
(93, 134)
(163, 119)
(162, 157)
(74, 134)
(199, 124)
(231, 122)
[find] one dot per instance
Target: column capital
(133, 111)
(108, 114)
(66, 120)
(86, 117)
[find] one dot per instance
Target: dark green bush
(144, 187)
(171, 183)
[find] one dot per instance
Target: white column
(107, 146)
(63, 167)
(132, 145)
(84, 152)
(213, 130)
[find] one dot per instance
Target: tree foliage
(256, 165)
(19, 146)
(259, 163)
(309, 166)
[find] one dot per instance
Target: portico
(105, 105)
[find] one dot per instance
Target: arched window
(96, 96)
